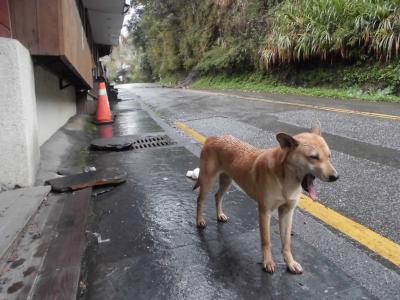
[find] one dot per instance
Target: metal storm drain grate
(152, 142)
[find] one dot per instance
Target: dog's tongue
(311, 188)
(312, 192)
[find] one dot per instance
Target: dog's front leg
(285, 226)
(264, 221)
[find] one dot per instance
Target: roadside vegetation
(333, 48)
(258, 83)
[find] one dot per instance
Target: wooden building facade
(59, 35)
(50, 54)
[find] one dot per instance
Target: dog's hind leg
(208, 171)
(224, 183)
(205, 184)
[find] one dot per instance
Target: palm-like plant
(324, 29)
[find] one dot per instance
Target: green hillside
(336, 48)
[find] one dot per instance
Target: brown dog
(272, 177)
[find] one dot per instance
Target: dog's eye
(316, 157)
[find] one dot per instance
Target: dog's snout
(333, 177)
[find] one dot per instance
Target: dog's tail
(196, 185)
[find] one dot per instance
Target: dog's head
(309, 156)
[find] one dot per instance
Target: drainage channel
(152, 142)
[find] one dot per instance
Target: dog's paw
(222, 218)
(294, 267)
(269, 266)
(201, 224)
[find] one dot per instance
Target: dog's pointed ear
(316, 127)
(286, 141)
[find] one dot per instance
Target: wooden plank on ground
(79, 181)
(59, 275)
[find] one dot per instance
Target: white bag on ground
(193, 174)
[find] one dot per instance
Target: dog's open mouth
(309, 187)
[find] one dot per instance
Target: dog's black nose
(333, 178)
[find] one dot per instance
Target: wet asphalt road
(157, 253)
(365, 150)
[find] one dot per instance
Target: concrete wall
(54, 106)
(19, 147)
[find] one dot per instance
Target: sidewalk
(44, 233)
(155, 250)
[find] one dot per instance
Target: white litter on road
(99, 239)
(193, 174)
(89, 169)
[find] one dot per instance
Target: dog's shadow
(233, 262)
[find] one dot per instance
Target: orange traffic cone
(103, 113)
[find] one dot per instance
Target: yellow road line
(326, 108)
(189, 131)
(365, 236)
